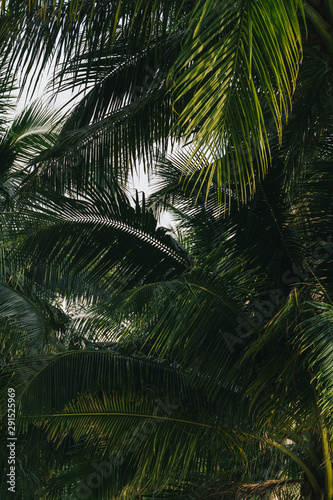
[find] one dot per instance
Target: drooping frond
(239, 64)
(315, 338)
(22, 326)
(101, 239)
(139, 410)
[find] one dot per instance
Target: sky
(138, 181)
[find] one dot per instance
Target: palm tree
(193, 74)
(190, 317)
(227, 364)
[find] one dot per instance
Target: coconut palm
(219, 341)
(218, 74)
(239, 343)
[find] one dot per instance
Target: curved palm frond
(99, 238)
(236, 68)
(31, 131)
(240, 66)
(22, 325)
(140, 410)
(315, 340)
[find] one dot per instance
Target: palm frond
(93, 239)
(108, 401)
(315, 339)
(22, 324)
(240, 66)
(31, 131)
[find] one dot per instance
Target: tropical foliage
(155, 363)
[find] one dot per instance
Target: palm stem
(271, 442)
(324, 29)
(300, 462)
(327, 461)
(326, 450)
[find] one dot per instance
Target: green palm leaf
(141, 410)
(315, 339)
(22, 324)
(239, 64)
(95, 239)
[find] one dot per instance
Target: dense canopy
(188, 362)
